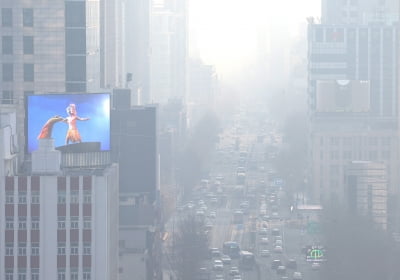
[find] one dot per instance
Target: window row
(7, 45)
(8, 72)
(22, 249)
(7, 17)
(74, 223)
(22, 223)
(74, 197)
(74, 275)
(359, 141)
(74, 249)
(357, 155)
(22, 274)
(22, 197)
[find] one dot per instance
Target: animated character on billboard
(45, 132)
(73, 133)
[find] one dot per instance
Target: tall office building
(47, 47)
(112, 44)
(359, 11)
(59, 219)
(137, 46)
(169, 51)
(134, 140)
(352, 99)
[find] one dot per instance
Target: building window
(385, 141)
(87, 197)
(21, 222)
(9, 274)
(7, 44)
(74, 197)
(385, 155)
(61, 223)
(9, 222)
(6, 17)
(21, 274)
(61, 274)
(35, 249)
(35, 274)
(74, 249)
(74, 274)
(86, 274)
(9, 197)
(87, 223)
(373, 141)
(8, 72)
(61, 198)
(347, 155)
(27, 17)
(74, 222)
(8, 96)
(21, 249)
(9, 249)
(29, 72)
(87, 249)
(28, 44)
(35, 223)
(22, 197)
(373, 155)
(61, 249)
(334, 141)
(35, 197)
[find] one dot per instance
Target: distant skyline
(224, 32)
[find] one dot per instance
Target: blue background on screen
(40, 108)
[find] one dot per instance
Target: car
(278, 243)
(278, 249)
(265, 218)
(297, 276)
(265, 253)
(212, 215)
(264, 240)
(226, 259)
(234, 271)
(281, 270)
(218, 265)
(291, 263)
(276, 263)
(315, 266)
(276, 232)
(237, 277)
(219, 277)
(263, 231)
(215, 253)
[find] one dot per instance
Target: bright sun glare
(227, 31)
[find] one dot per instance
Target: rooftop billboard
(351, 96)
(68, 119)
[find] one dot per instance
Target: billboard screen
(68, 119)
(351, 96)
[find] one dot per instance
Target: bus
(247, 260)
(237, 217)
(231, 248)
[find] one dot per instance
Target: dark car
(292, 264)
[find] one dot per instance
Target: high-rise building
(112, 44)
(169, 54)
(47, 47)
(134, 138)
(359, 11)
(60, 218)
(137, 46)
(352, 97)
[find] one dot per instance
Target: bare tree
(190, 247)
(357, 248)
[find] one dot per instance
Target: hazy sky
(226, 32)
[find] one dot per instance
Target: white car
(278, 249)
(297, 276)
(265, 253)
(218, 265)
(264, 240)
(234, 271)
(315, 266)
(226, 259)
